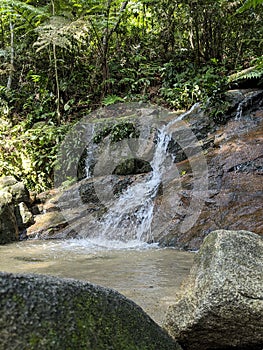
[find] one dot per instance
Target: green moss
(117, 132)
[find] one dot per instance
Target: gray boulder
(221, 304)
(43, 312)
(8, 224)
(15, 215)
(17, 189)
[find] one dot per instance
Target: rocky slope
(233, 199)
(231, 156)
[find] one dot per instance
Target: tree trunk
(12, 55)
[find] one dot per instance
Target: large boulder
(16, 188)
(8, 224)
(227, 158)
(42, 312)
(221, 304)
(15, 215)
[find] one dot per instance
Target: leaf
(249, 4)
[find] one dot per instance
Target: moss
(117, 132)
(66, 314)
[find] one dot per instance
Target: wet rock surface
(221, 303)
(41, 312)
(233, 153)
(234, 197)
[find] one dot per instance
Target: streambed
(148, 275)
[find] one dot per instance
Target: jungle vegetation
(61, 59)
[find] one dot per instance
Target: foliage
(60, 59)
(30, 155)
(182, 90)
(117, 132)
(254, 72)
(248, 4)
(111, 99)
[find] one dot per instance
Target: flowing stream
(118, 256)
(147, 275)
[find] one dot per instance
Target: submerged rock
(221, 303)
(41, 312)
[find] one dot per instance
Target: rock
(185, 211)
(15, 214)
(17, 189)
(46, 225)
(24, 216)
(132, 166)
(234, 197)
(7, 181)
(8, 224)
(42, 312)
(19, 193)
(221, 304)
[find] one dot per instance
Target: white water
(129, 218)
(248, 100)
(90, 155)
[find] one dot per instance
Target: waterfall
(246, 101)
(130, 216)
(89, 163)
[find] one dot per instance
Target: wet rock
(233, 155)
(132, 166)
(77, 210)
(221, 304)
(41, 312)
(233, 199)
(47, 225)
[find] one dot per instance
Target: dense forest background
(61, 59)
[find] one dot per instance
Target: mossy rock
(43, 312)
(220, 305)
(132, 167)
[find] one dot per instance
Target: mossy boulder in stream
(43, 312)
(221, 304)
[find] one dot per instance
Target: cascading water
(129, 218)
(89, 163)
(248, 100)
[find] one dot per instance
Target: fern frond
(249, 4)
(249, 73)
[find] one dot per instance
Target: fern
(29, 14)
(53, 33)
(253, 72)
(249, 4)
(59, 32)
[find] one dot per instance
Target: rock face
(15, 216)
(233, 153)
(234, 156)
(40, 312)
(221, 304)
(8, 224)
